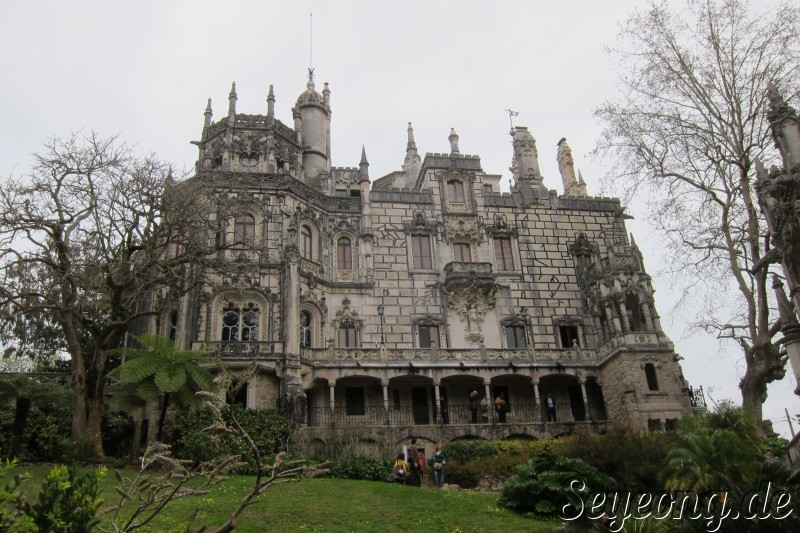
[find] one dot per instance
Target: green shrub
(366, 468)
(68, 501)
(528, 448)
(466, 475)
(46, 433)
(118, 429)
(635, 459)
(464, 450)
(268, 429)
(540, 485)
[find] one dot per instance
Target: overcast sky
(144, 70)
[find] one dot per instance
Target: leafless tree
(88, 233)
(686, 131)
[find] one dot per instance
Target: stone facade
(380, 305)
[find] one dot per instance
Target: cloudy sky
(144, 70)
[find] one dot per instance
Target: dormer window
(455, 192)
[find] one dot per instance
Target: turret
(271, 104)
(566, 167)
(526, 158)
(453, 138)
(785, 126)
(312, 116)
(412, 162)
(208, 114)
(232, 103)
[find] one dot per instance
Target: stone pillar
(385, 385)
(438, 402)
(613, 321)
(489, 399)
(648, 318)
(582, 381)
(331, 388)
(538, 400)
(623, 312)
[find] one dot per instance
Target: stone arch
(245, 301)
(310, 333)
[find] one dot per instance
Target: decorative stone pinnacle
(453, 141)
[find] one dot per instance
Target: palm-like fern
(157, 368)
(24, 391)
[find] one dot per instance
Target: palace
(379, 305)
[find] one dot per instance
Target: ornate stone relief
(471, 301)
(419, 223)
(462, 228)
(501, 228)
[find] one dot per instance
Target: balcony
(472, 275)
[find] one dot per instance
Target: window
(461, 253)
(238, 325)
(421, 248)
(515, 337)
(634, 310)
(173, 325)
(502, 254)
(347, 335)
(238, 394)
(455, 192)
(344, 254)
(244, 229)
(568, 334)
(306, 243)
(487, 188)
(354, 400)
(428, 336)
(305, 329)
(650, 374)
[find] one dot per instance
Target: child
(400, 469)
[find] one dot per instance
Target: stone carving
(462, 228)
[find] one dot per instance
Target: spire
(363, 166)
(270, 103)
(326, 95)
(232, 100)
(637, 254)
(785, 126)
(581, 185)
(208, 115)
(453, 141)
(566, 167)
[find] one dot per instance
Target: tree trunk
(764, 367)
(21, 409)
(162, 418)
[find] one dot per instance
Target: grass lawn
(336, 505)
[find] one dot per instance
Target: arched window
(306, 324)
(244, 229)
(238, 325)
(455, 192)
(634, 309)
(344, 254)
(650, 374)
(173, 325)
(306, 243)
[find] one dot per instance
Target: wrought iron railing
(407, 415)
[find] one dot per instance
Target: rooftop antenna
(311, 42)
(510, 121)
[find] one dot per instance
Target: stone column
(613, 322)
(489, 399)
(582, 381)
(438, 402)
(537, 399)
(385, 385)
(648, 318)
(623, 312)
(331, 387)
